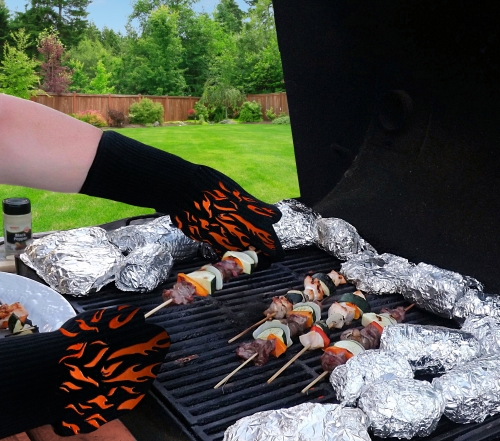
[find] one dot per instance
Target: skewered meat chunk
(262, 347)
(330, 360)
(229, 268)
(280, 306)
(369, 337)
(296, 322)
(181, 293)
(399, 313)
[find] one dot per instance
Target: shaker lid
(16, 206)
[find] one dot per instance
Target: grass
(259, 157)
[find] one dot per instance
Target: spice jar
(16, 224)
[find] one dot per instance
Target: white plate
(47, 308)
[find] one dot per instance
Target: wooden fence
(176, 107)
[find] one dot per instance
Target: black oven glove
(96, 367)
(204, 203)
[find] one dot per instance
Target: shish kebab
(354, 341)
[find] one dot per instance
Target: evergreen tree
(4, 26)
(17, 70)
(68, 17)
(229, 15)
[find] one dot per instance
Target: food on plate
(7, 310)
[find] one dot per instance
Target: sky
(113, 13)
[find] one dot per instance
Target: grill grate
(200, 356)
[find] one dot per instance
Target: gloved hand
(204, 203)
(217, 211)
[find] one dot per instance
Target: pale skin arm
(43, 148)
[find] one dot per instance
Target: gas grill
(395, 110)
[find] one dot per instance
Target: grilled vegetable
(218, 276)
(242, 259)
(204, 278)
(310, 310)
(356, 299)
(382, 320)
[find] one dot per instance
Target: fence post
(166, 110)
(74, 103)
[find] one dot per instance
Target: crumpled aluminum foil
(74, 262)
(437, 290)
(340, 238)
(297, 227)
(401, 407)
(307, 421)
(377, 273)
(478, 304)
(471, 392)
(487, 331)
(349, 379)
(430, 349)
(160, 230)
(144, 268)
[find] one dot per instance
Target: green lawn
(258, 156)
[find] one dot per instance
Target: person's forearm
(43, 148)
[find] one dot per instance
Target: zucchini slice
(310, 307)
(359, 301)
(275, 326)
(327, 284)
(352, 346)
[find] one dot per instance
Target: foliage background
(167, 48)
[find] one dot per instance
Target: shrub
(146, 111)
(200, 110)
(281, 120)
(191, 114)
(92, 117)
(117, 118)
(270, 114)
(250, 112)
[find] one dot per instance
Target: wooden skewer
(409, 307)
(236, 337)
(158, 308)
(227, 377)
(312, 383)
(304, 349)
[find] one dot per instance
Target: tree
(56, 77)
(4, 25)
(152, 63)
(220, 94)
(79, 79)
(143, 8)
(229, 15)
(100, 83)
(17, 70)
(67, 16)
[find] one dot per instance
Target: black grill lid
(394, 111)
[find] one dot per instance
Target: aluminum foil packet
(340, 238)
(144, 268)
(370, 366)
(430, 349)
(297, 227)
(377, 273)
(487, 331)
(471, 392)
(74, 262)
(307, 421)
(437, 290)
(402, 407)
(161, 231)
(477, 304)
